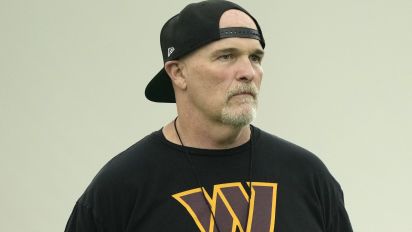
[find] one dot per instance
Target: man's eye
(226, 57)
(256, 58)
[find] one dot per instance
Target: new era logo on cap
(170, 51)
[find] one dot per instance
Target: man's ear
(174, 69)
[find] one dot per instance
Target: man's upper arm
(82, 219)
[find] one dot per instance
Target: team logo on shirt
(229, 203)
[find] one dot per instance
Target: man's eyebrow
(257, 51)
(225, 50)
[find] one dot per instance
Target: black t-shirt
(151, 186)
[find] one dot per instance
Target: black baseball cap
(195, 26)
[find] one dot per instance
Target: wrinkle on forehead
(236, 18)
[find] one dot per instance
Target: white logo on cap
(170, 51)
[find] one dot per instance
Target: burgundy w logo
(229, 203)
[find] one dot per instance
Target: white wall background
(338, 81)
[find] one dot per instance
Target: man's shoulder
(276, 143)
(128, 168)
(286, 152)
(137, 152)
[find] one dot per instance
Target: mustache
(243, 89)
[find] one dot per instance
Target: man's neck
(206, 135)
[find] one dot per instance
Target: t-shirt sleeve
(336, 214)
(82, 219)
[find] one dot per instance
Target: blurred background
(338, 81)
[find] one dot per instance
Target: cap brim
(160, 88)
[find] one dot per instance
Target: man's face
(223, 79)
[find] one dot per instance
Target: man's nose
(245, 69)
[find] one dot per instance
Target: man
(209, 169)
